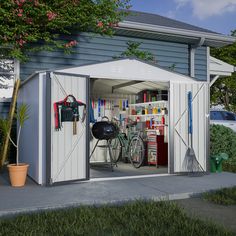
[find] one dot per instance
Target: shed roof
(128, 69)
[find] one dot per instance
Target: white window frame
(15, 73)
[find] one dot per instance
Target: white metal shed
(59, 156)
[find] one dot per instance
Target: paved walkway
(33, 197)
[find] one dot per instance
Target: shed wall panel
(179, 114)
(29, 142)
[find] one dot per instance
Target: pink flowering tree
(28, 25)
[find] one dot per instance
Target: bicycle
(130, 145)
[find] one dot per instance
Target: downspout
(192, 55)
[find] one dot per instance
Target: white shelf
(148, 115)
(147, 103)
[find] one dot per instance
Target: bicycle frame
(125, 140)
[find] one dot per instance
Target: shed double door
(67, 154)
(179, 124)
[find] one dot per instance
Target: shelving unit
(147, 103)
(149, 115)
(161, 104)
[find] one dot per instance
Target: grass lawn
(137, 218)
(225, 196)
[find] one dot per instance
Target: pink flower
(71, 44)
(100, 24)
(29, 21)
(20, 2)
(20, 12)
(21, 42)
(51, 15)
(36, 3)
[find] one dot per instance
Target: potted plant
(17, 171)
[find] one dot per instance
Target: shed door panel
(68, 152)
(179, 123)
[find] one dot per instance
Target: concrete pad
(33, 197)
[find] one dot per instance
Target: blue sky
(215, 15)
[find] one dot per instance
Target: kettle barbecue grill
(105, 130)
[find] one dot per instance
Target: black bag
(70, 110)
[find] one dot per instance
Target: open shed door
(67, 153)
(179, 124)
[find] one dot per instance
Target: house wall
(95, 48)
(4, 108)
(201, 63)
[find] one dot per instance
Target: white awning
(220, 68)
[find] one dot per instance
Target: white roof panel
(128, 69)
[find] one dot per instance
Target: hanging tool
(99, 107)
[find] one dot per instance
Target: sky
(216, 15)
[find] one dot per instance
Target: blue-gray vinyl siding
(201, 63)
(4, 109)
(95, 48)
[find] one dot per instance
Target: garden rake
(191, 164)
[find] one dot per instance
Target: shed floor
(124, 169)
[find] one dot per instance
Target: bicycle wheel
(136, 151)
(116, 149)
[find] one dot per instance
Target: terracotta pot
(17, 174)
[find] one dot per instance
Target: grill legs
(108, 145)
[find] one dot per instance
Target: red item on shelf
(145, 97)
(133, 112)
(163, 120)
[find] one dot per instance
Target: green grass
(225, 196)
(137, 218)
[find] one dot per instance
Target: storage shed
(57, 156)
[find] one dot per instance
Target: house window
(9, 70)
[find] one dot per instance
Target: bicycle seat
(131, 124)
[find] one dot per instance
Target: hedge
(223, 139)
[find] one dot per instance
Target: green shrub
(223, 139)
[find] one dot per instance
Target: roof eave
(221, 40)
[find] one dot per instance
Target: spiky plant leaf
(4, 126)
(22, 114)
